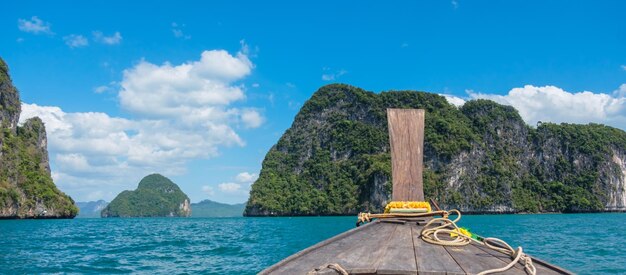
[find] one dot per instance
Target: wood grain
(432, 259)
(406, 137)
(400, 256)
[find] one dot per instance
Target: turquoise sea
(583, 243)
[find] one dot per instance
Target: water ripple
(584, 243)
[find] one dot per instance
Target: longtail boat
(412, 236)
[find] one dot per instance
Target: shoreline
(471, 213)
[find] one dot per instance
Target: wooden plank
(400, 255)
(474, 260)
(356, 252)
(371, 246)
(406, 137)
(432, 259)
(319, 253)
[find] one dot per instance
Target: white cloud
(174, 119)
(455, 4)
(553, 104)
(198, 88)
(229, 187)
(106, 88)
(113, 39)
(624, 67)
(332, 75)
(107, 151)
(621, 91)
(245, 177)
(100, 89)
(208, 190)
(76, 41)
(454, 100)
(251, 118)
(255, 85)
(34, 25)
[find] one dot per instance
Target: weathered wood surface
(406, 137)
(396, 248)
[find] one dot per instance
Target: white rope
(430, 235)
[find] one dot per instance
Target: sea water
(582, 243)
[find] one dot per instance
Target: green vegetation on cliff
(156, 196)
(479, 157)
(26, 187)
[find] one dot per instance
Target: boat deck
(394, 247)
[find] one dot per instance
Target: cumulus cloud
(621, 91)
(76, 41)
(201, 87)
(553, 104)
(251, 118)
(624, 67)
(113, 39)
(229, 187)
(34, 25)
(245, 177)
(174, 119)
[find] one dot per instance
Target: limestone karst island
(313, 137)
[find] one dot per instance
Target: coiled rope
(430, 234)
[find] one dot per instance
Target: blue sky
(96, 72)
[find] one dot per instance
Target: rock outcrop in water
(480, 157)
(26, 187)
(156, 196)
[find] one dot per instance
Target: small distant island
(156, 196)
(91, 209)
(209, 208)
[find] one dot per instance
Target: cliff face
(480, 157)
(26, 187)
(156, 196)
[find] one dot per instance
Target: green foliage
(335, 157)
(4, 72)
(22, 160)
(156, 196)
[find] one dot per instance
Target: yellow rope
(430, 235)
(367, 217)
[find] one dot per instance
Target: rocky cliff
(156, 196)
(26, 187)
(480, 157)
